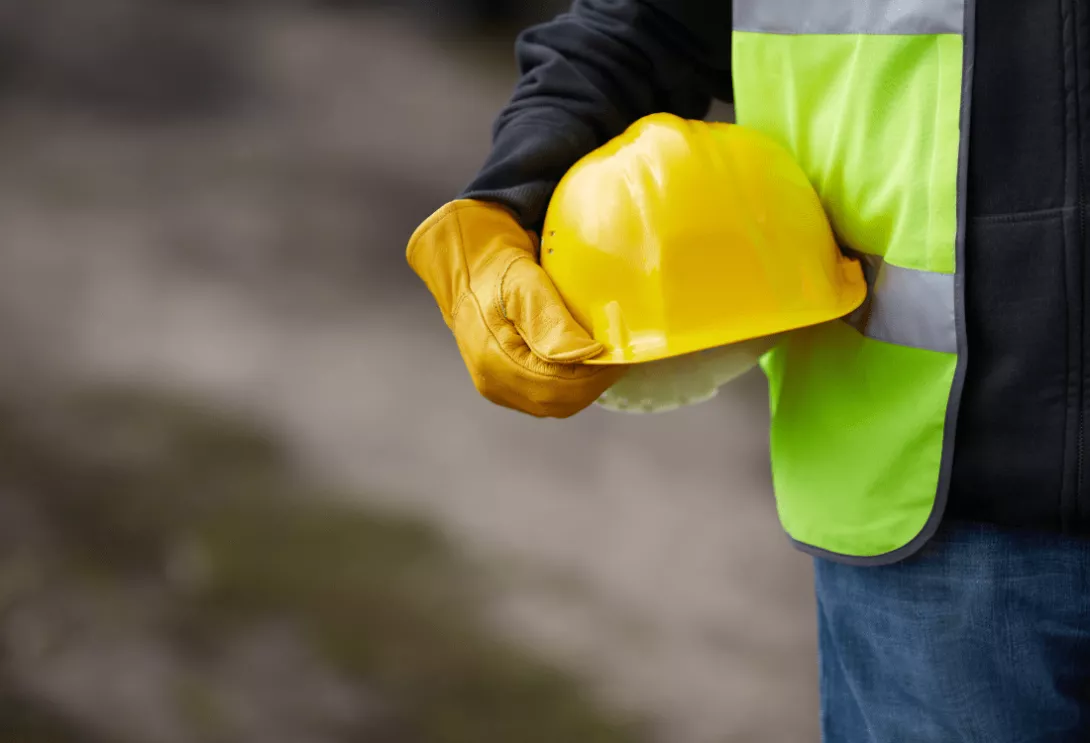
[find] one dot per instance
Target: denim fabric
(983, 636)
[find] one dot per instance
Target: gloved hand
(521, 345)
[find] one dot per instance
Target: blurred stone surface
(130, 59)
(119, 677)
(312, 620)
(259, 262)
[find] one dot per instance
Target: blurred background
(247, 491)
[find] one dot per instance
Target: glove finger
(571, 396)
(505, 372)
(517, 387)
(531, 303)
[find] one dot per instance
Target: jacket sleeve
(587, 75)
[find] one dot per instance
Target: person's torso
(979, 229)
(1019, 456)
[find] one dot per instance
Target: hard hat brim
(851, 299)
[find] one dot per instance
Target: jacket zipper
(1080, 441)
(1081, 436)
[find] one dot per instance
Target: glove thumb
(533, 305)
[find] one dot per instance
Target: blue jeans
(984, 636)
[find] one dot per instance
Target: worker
(932, 458)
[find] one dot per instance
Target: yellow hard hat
(679, 236)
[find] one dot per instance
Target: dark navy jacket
(1019, 455)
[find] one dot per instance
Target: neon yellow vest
(872, 97)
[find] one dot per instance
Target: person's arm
(587, 75)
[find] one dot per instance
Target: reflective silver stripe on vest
(907, 307)
(913, 308)
(859, 17)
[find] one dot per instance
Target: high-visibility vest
(872, 97)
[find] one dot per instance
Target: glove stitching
(458, 307)
(529, 343)
(433, 221)
(501, 304)
(531, 370)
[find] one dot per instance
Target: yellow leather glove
(521, 345)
